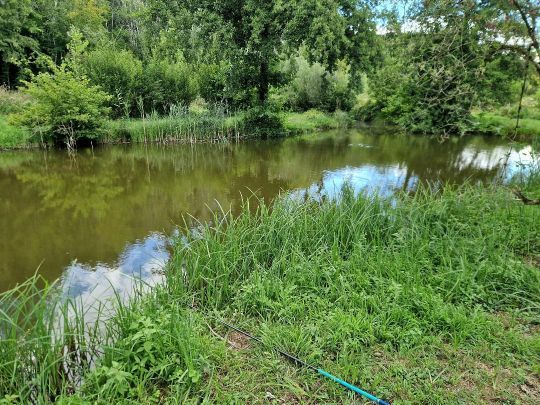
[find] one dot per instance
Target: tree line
(426, 64)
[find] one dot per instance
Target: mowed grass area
(425, 298)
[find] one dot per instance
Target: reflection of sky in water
(517, 159)
(367, 178)
(384, 180)
(95, 288)
(144, 260)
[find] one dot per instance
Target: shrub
(65, 107)
(263, 122)
(429, 87)
(165, 84)
(338, 94)
(311, 86)
(211, 81)
(12, 136)
(118, 73)
(308, 85)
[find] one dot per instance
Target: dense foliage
(429, 64)
(65, 107)
(447, 58)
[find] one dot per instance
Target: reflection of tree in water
(58, 210)
(421, 158)
(70, 193)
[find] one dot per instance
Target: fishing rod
(320, 371)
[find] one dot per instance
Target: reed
(215, 124)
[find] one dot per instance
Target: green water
(107, 213)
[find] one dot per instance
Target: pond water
(105, 216)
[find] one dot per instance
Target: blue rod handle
(352, 387)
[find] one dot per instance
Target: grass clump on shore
(11, 136)
(216, 125)
(429, 298)
(179, 126)
(314, 120)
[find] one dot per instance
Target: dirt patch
(238, 341)
(531, 387)
(533, 261)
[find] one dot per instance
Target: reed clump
(213, 124)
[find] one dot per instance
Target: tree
(253, 34)
(431, 82)
(453, 54)
(65, 108)
(17, 37)
(513, 26)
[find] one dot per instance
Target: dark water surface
(103, 217)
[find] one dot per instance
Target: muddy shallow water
(104, 216)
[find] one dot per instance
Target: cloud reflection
(95, 289)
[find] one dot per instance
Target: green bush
(338, 93)
(12, 136)
(165, 84)
(118, 72)
(308, 85)
(211, 81)
(65, 107)
(312, 87)
(263, 122)
(501, 81)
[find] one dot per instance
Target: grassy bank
(190, 128)
(187, 127)
(193, 128)
(12, 137)
(502, 120)
(314, 120)
(430, 298)
(493, 123)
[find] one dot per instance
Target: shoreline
(305, 277)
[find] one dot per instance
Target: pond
(106, 215)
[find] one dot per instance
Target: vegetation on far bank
(431, 297)
(428, 66)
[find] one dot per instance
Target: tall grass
(502, 120)
(314, 120)
(405, 296)
(45, 344)
(12, 136)
(12, 101)
(215, 124)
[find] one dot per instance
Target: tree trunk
(263, 81)
(4, 72)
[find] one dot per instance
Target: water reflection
(76, 216)
(98, 288)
